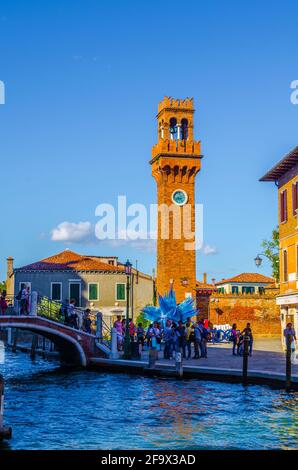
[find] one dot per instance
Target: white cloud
(209, 250)
(72, 232)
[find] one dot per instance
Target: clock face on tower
(179, 197)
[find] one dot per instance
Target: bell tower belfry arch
(176, 160)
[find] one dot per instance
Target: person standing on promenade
(188, 336)
(289, 330)
(248, 332)
(87, 322)
(234, 338)
(131, 326)
(197, 341)
(168, 339)
(181, 338)
(204, 339)
(72, 315)
(119, 328)
(140, 336)
(24, 302)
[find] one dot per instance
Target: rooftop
(247, 277)
(284, 165)
(68, 260)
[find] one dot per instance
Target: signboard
(287, 300)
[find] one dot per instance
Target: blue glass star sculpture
(169, 310)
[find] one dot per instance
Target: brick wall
(260, 310)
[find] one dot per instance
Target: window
(120, 291)
(56, 291)
(235, 290)
(248, 290)
(93, 291)
(75, 293)
(283, 206)
(285, 265)
(111, 262)
(295, 197)
(261, 290)
(23, 285)
(173, 128)
(221, 290)
(184, 129)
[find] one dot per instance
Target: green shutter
(56, 291)
(120, 291)
(93, 292)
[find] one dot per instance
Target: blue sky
(83, 80)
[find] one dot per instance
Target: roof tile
(69, 260)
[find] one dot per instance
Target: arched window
(184, 129)
(161, 129)
(173, 128)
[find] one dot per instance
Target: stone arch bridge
(75, 347)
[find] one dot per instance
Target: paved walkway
(221, 357)
(263, 367)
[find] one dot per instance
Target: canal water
(50, 408)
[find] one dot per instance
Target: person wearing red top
(131, 330)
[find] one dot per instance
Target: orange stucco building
(176, 159)
(285, 175)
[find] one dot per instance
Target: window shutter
(295, 197)
(285, 260)
(285, 206)
(281, 207)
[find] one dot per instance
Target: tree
(271, 251)
(2, 286)
(141, 319)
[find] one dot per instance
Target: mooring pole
(153, 353)
(33, 346)
(5, 433)
(114, 344)
(178, 363)
(289, 339)
(15, 340)
(246, 341)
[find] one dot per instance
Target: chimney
(205, 278)
(213, 281)
(9, 265)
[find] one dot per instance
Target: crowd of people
(176, 337)
(76, 318)
(237, 339)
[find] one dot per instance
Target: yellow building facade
(285, 176)
(176, 160)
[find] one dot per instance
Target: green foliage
(271, 251)
(50, 309)
(2, 286)
(141, 319)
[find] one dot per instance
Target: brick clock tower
(176, 160)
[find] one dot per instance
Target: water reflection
(50, 408)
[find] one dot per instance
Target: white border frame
(51, 296)
(97, 299)
(185, 194)
(120, 300)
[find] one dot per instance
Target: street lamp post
(127, 352)
(259, 260)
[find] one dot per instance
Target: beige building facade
(94, 282)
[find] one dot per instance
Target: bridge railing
(50, 309)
